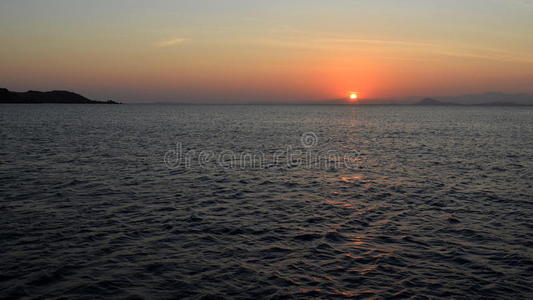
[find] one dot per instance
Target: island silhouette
(29, 97)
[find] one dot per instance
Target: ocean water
(226, 201)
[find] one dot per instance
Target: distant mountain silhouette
(500, 103)
(7, 96)
(491, 99)
(485, 99)
(431, 101)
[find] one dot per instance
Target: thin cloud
(352, 44)
(171, 42)
(520, 3)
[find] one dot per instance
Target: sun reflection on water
(351, 179)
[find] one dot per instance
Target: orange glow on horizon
(321, 54)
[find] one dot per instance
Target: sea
(265, 202)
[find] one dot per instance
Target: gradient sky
(275, 50)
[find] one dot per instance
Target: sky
(235, 51)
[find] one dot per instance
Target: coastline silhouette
(31, 97)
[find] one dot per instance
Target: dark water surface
(439, 204)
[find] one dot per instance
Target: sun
(354, 96)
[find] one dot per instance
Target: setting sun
(354, 96)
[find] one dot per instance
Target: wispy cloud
(170, 42)
(398, 48)
(527, 4)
